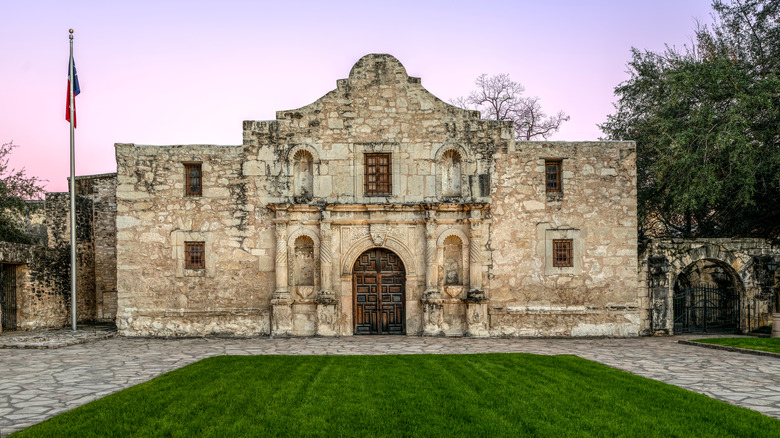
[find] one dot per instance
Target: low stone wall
(233, 322)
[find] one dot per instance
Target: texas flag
(76, 91)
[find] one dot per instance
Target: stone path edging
(56, 338)
(729, 348)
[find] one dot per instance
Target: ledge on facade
(543, 310)
(623, 307)
(475, 296)
(95, 176)
(419, 206)
(213, 312)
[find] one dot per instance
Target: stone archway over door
(379, 297)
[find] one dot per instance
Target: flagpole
(72, 100)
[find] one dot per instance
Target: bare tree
(500, 98)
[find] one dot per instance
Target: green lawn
(483, 395)
(771, 345)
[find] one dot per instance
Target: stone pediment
(376, 82)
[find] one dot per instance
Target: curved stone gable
(378, 86)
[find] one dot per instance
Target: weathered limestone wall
(57, 207)
(101, 190)
(42, 281)
(598, 296)
(156, 295)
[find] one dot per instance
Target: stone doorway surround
(417, 233)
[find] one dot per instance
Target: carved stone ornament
(378, 233)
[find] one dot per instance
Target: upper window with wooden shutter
(193, 179)
(553, 179)
(378, 177)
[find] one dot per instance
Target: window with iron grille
(194, 255)
(193, 179)
(562, 253)
(378, 178)
(553, 176)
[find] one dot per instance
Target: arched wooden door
(378, 280)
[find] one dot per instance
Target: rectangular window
(194, 255)
(562, 253)
(378, 178)
(553, 176)
(193, 181)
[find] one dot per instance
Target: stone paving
(56, 338)
(37, 384)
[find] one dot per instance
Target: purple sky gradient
(189, 72)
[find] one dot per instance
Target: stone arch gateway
(707, 298)
(741, 274)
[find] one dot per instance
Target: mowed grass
(771, 345)
(485, 395)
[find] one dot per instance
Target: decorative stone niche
(304, 267)
(451, 174)
(303, 177)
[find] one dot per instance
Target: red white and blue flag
(76, 91)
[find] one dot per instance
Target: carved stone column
(433, 316)
(326, 300)
(431, 283)
(281, 301)
(475, 253)
(661, 316)
(433, 310)
(326, 264)
(477, 323)
(281, 257)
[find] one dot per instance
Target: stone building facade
(377, 209)
(35, 279)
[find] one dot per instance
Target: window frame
(188, 166)
(557, 163)
(563, 253)
(195, 261)
(383, 182)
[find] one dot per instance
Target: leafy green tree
(16, 188)
(706, 119)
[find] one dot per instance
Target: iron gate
(706, 309)
(8, 295)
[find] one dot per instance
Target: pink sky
(189, 72)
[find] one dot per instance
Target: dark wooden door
(378, 280)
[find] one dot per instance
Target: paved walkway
(38, 384)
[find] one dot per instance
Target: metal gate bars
(8, 295)
(706, 309)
